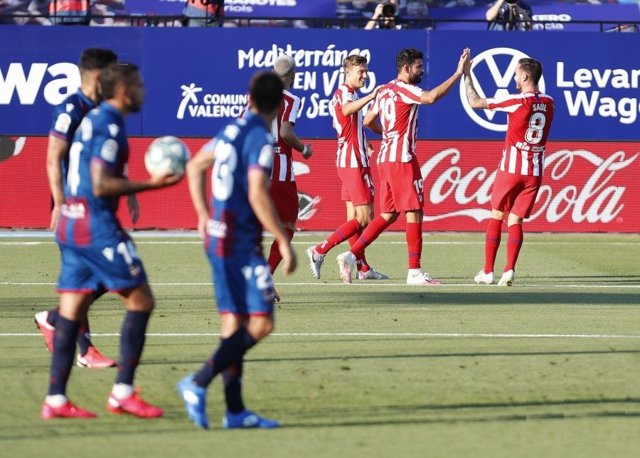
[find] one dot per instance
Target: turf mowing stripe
(371, 334)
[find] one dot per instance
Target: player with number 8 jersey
(519, 176)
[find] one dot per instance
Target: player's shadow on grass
(478, 296)
(476, 412)
(345, 358)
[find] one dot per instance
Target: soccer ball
(166, 156)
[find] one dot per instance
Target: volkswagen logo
(495, 86)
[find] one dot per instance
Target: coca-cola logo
(579, 185)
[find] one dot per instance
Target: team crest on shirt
(493, 72)
(113, 129)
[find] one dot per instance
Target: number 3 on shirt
(223, 168)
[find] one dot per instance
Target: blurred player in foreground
(96, 252)
(66, 119)
(241, 206)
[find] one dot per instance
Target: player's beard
(415, 78)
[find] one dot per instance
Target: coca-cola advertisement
(587, 187)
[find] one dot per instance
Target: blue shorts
(242, 288)
(88, 269)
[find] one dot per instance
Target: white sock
(415, 271)
(122, 390)
(56, 400)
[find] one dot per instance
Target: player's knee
(260, 328)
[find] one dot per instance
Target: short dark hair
(354, 60)
(407, 57)
(265, 90)
(96, 58)
(114, 74)
(531, 67)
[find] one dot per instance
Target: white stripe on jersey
(513, 157)
(536, 165)
(524, 164)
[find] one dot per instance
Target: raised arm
(492, 12)
(435, 94)
(474, 99)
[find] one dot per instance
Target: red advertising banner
(587, 187)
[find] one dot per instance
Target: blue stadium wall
(197, 79)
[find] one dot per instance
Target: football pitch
(547, 368)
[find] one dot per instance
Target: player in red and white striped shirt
(396, 106)
(353, 166)
(530, 114)
(284, 191)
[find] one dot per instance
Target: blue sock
(52, 317)
(230, 351)
(63, 352)
(232, 380)
(132, 338)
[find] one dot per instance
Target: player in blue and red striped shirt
(65, 120)
(96, 252)
(242, 156)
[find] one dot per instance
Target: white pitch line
(365, 284)
(372, 334)
(377, 242)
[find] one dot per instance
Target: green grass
(550, 367)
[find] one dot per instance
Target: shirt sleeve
(509, 103)
(410, 93)
(106, 146)
(259, 151)
(291, 109)
(64, 123)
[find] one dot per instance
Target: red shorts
(400, 186)
(285, 198)
(515, 194)
(357, 186)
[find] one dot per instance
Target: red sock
(274, 255)
(514, 243)
(413, 233)
(370, 233)
(491, 243)
(361, 259)
(340, 235)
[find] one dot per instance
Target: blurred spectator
(415, 9)
(24, 12)
(69, 12)
(204, 13)
(103, 12)
(358, 10)
(510, 15)
(626, 28)
(384, 17)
